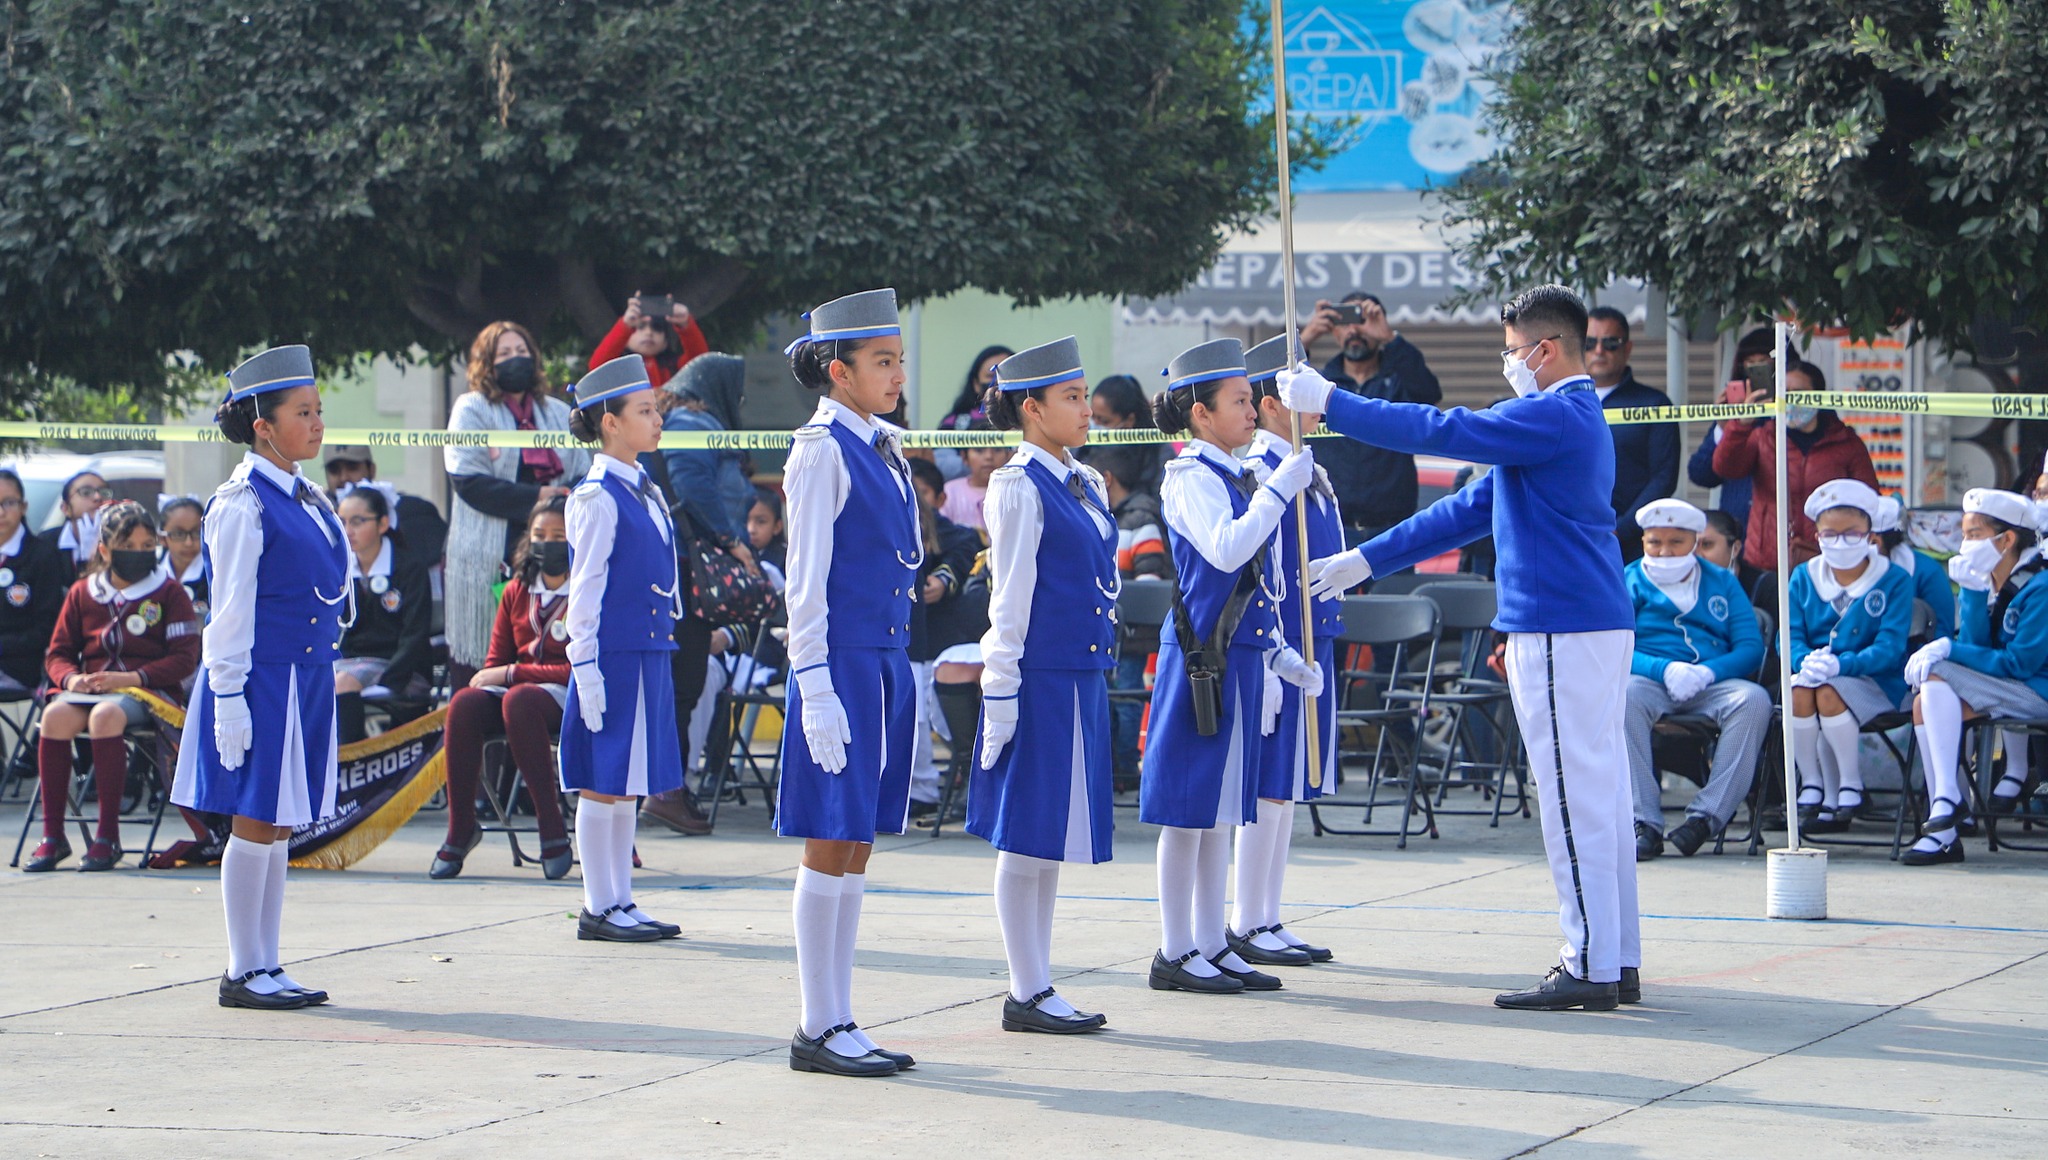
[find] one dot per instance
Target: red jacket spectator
(526, 638)
(1749, 450)
(97, 632)
(614, 345)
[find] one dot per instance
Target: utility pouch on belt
(1205, 660)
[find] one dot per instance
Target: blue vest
(876, 551)
(1325, 539)
(1204, 588)
(639, 609)
(301, 582)
(1073, 607)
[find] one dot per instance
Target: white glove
(1332, 576)
(1303, 389)
(1295, 669)
(1820, 666)
(1269, 710)
(1293, 473)
(1967, 577)
(826, 730)
(1922, 662)
(232, 732)
(590, 696)
(1684, 680)
(998, 725)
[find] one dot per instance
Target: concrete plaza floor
(468, 1021)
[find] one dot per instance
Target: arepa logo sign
(1336, 68)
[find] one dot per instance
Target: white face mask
(1845, 556)
(1519, 376)
(1979, 557)
(1669, 569)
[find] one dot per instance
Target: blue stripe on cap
(1033, 384)
(854, 332)
(1206, 377)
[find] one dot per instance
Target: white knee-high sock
(2016, 763)
(1943, 732)
(1212, 876)
(853, 890)
(625, 820)
(1179, 851)
(1845, 741)
(1254, 860)
(1276, 877)
(244, 886)
(1048, 899)
(273, 911)
(598, 844)
(1018, 912)
(815, 911)
(1806, 754)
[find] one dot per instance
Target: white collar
(381, 566)
(1829, 589)
(101, 585)
(544, 594)
(1568, 380)
(1028, 452)
(1202, 448)
(16, 542)
(834, 411)
(196, 570)
(287, 482)
(1264, 441)
(602, 464)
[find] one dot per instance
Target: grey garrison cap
(278, 369)
(623, 375)
(1267, 359)
(868, 314)
(1055, 362)
(1219, 358)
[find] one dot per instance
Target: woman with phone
(661, 330)
(1820, 447)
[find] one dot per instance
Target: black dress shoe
(1561, 991)
(1630, 989)
(593, 926)
(806, 1054)
(902, 1059)
(1914, 856)
(448, 860)
(920, 809)
(556, 865)
(47, 856)
(1690, 835)
(313, 998)
(1649, 843)
(101, 856)
(1173, 975)
(1243, 947)
(1028, 1017)
(1252, 980)
(235, 992)
(1315, 953)
(1809, 810)
(667, 929)
(1941, 815)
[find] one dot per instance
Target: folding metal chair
(142, 802)
(1398, 623)
(1407, 583)
(19, 715)
(1985, 732)
(502, 787)
(1907, 813)
(1479, 711)
(739, 711)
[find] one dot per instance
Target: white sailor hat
(278, 369)
(1671, 513)
(1266, 360)
(1889, 512)
(1220, 358)
(1849, 493)
(623, 375)
(1053, 363)
(868, 314)
(2006, 506)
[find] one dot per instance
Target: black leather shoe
(1252, 980)
(1649, 843)
(902, 1060)
(47, 856)
(667, 929)
(1630, 989)
(235, 992)
(1027, 1017)
(101, 856)
(448, 860)
(807, 1054)
(1173, 975)
(1690, 835)
(593, 926)
(1251, 952)
(1913, 856)
(556, 865)
(1315, 953)
(313, 998)
(1561, 991)
(1809, 810)
(1941, 815)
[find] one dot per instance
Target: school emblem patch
(2012, 622)
(1875, 603)
(135, 624)
(17, 595)
(390, 600)
(559, 630)
(1717, 607)
(152, 612)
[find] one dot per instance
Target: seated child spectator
(1930, 578)
(388, 651)
(962, 499)
(946, 626)
(181, 516)
(1721, 544)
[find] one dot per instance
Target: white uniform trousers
(1570, 699)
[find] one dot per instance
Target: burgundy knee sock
(469, 715)
(110, 772)
(53, 765)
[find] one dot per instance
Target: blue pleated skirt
(288, 776)
(1283, 773)
(1195, 782)
(1048, 795)
(872, 794)
(636, 753)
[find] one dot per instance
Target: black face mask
(553, 556)
(515, 375)
(1359, 350)
(133, 565)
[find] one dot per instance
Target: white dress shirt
(1196, 503)
(233, 533)
(815, 484)
(593, 524)
(1016, 521)
(381, 566)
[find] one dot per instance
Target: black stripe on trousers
(1564, 813)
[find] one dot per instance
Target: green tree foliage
(1859, 162)
(366, 175)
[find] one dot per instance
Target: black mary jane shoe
(1560, 990)
(312, 996)
(1809, 810)
(667, 929)
(594, 927)
(1914, 856)
(1173, 975)
(1315, 953)
(235, 992)
(1252, 980)
(807, 1054)
(1837, 820)
(101, 856)
(557, 865)
(902, 1059)
(1029, 1017)
(1942, 814)
(47, 856)
(448, 860)
(1630, 989)
(1243, 947)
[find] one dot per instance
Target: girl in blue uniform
(1258, 936)
(1850, 613)
(854, 552)
(1201, 773)
(1930, 578)
(259, 739)
(1997, 662)
(1043, 796)
(619, 726)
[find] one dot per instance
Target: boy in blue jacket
(1568, 620)
(1697, 642)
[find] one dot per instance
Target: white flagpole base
(1796, 884)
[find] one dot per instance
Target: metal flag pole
(1309, 717)
(1796, 879)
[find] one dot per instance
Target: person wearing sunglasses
(1645, 454)
(77, 538)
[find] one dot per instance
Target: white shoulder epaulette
(1180, 462)
(1007, 471)
(811, 431)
